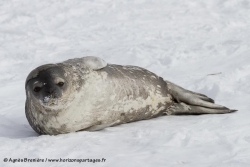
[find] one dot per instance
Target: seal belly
(134, 94)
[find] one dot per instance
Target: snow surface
(182, 41)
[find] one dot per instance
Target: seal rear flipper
(182, 108)
(197, 101)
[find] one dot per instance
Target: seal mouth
(49, 101)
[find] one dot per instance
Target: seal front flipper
(189, 102)
(102, 126)
(92, 62)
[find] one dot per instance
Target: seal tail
(188, 102)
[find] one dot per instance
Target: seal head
(49, 86)
(52, 88)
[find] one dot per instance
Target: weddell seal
(89, 94)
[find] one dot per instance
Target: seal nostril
(48, 91)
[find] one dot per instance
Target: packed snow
(200, 45)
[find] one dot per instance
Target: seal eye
(37, 89)
(60, 84)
